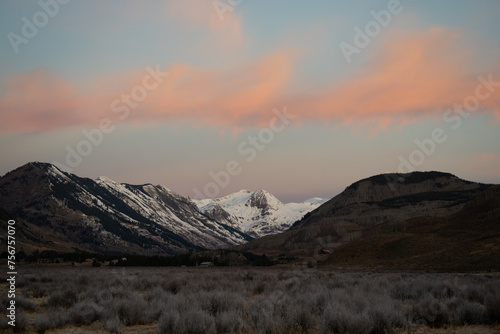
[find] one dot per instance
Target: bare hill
(381, 199)
(466, 241)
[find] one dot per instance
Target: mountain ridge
(366, 203)
(108, 216)
(464, 241)
(257, 213)
(65, 212)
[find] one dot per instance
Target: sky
(207, 97)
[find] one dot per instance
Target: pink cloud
(236, 98)
(39, 101)
(411, 75)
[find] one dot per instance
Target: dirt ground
(455, 330)
(153, 329)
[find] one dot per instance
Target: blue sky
(226, 75)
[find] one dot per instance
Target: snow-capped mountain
(102, 215)
(256, 213)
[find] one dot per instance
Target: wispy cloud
(410, 75)
(39, 101)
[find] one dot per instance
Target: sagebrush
(248, 300)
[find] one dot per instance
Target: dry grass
(248, 300)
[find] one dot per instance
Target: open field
(251, 300)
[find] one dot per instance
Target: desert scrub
(261, 300)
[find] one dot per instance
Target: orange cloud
(236, 98)
(412, 75)
(38, 101)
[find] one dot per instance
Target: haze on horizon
(299, 99)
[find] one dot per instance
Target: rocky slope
(369, 202)
(105, 216)
(465, 241)
(257, 213)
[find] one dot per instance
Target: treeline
(193, 258)
(224, 258)
(51, 256)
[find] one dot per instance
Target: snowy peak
(263, 200)
(104, 180)
(316, 200)
(240, 197)
(256, 213)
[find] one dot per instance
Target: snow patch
(260, 213)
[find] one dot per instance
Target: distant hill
(381, 199)
(465, 241)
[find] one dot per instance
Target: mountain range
(256, 213)
(64, 212)
(419, 220)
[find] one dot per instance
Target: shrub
(24, 304)
(492, 304)
(169, 322)
(301, 320)
(37, 291)
(3, 322)
(64, 299)
(57, 317)
(473, 293)
(45, 279)
(85, 313)
(112, 325)
(219, 301)
(472, 313)
(338, 319)
(229, 322)
(260, 316)
(42, 324)
(130, 311)
(385, 316)
(431, 312)
(173, 286)
(83, 280)
(257, 301)
(21, 322)
(198, 322)
(259, 288)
